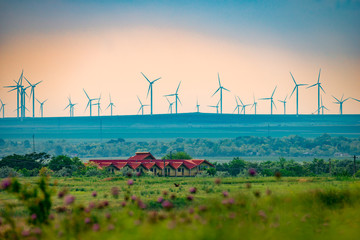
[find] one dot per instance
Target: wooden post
(329, 166)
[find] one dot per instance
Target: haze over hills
(187, 125)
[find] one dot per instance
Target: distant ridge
(186, 125)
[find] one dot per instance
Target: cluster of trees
(290, 168)
(35, 164)
(292, 146)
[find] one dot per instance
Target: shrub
(45, 172)
(64, 172)
(8, 172)
(222, 174)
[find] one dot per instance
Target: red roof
(142, 156)
(148, 165)
(147, 160)
(134, 165)
(176, 165)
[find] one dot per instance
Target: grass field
(236, 208)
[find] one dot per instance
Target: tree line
(291, 146)
(43, 164)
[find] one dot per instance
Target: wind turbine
(340, 102)
(322, 107)
(254, 105)
(271, 100)
(284, 102)
(170, 105)
(243, 106)
(71, 107)
(2, 108)
(141, 107)
(151, 91)
(89, 102)
(318, 84)
(32, 93)
(17, 87)
(98, 105)
(176, 98)
(23, 102)
(41, 106)
(217, 107)
(221, 88)
(197, 106)
(297, 93)
(111, 105)
(237, 106)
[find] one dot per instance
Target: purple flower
(225, 193)
(252, 172)
(33, 217)
(133, 197)
(167, 204)
(138, 174)
(192, 190)
(141, 204)
(37, 231)
(51, 216)
(25, 233)
(123, 203)
(231, 201)
(92, 205)
(94, 194)
(115, 192)
(160, 199)
(130, 182)
(217, 181)
(5, 184)
(96, 227)
(190, 197)
(108, 215)
(87, 220)
(111, 227)
(69, 199)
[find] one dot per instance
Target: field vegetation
(147, 207)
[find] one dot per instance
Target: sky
(103, 46)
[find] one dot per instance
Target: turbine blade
(226, 89)
(146, 77)
(139, 100)
(322, 88)
(319, 75)
(273, 92)
(178, 87)
(293, 78)
(215, 92)
(336, 99)
(148, 91)
(156, 80)
(293, 91)
(312, 85)
(86, 94)
(219, 80)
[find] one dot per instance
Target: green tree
(177, 155)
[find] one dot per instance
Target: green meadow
(184, 208)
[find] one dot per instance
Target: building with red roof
(146, 162)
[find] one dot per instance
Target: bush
(45, 172)
(222, 174)
(64, 172)
(8, 172)
(92, 172)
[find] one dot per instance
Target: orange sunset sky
(102, 46)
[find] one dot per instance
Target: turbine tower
(71, 107)
(243, 106)
(340, 102)
(89, 102)
(98, 105)
(32, 93)
(23, 102)
(197, 106)
(216, 106)
(151, 91)
(254, 105)
(176, 98)
(17, 87)
(2, 108)
(221, 88)
(111, 105)
(297, 93)
(141, 107)
(284, 102)
(318, 84)
(322, 107)
(237, 106)
(271, 101)
(170, 106)
(41, 107)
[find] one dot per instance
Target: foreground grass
(266, 208)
